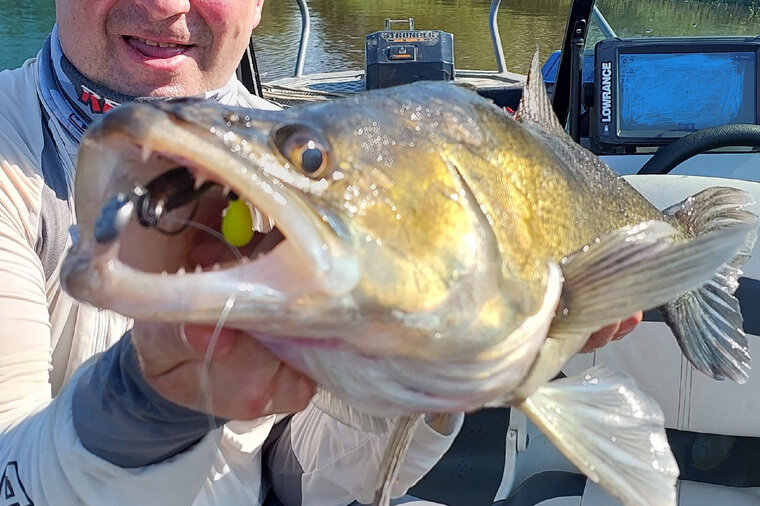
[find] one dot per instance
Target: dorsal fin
(535, 105)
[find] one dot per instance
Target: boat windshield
(673, 18)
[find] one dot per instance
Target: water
(339, 26)
(23, 27)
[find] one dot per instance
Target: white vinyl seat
(711, 422)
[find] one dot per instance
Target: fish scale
(446, 257)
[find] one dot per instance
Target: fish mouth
(180, 267)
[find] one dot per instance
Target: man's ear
(257, 17)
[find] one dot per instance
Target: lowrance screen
(651, 91)
(671, 95)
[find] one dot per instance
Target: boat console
(649, 92)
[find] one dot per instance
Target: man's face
(157, 47)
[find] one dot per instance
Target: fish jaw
(135, 144)
(404, 386)
(326, 281)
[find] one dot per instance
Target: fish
(417, 251)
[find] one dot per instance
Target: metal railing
(501, 64)
(493, 24)
(305, 33)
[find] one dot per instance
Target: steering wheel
(669, 157)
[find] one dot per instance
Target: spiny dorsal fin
(535, 105)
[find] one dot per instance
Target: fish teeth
(198, 269)
(199, 181)
(181, 271)
(226, 190)
(146, 152)
(261, 222)
(216, 267)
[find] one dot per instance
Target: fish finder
(651, 91)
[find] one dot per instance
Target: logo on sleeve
(12, 492)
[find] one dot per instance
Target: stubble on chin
(115, 71)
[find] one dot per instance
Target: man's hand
(245, 380)
(611, 333)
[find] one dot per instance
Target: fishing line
(205, 379)
(183, 222)
(207, 401)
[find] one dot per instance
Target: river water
(339, 27)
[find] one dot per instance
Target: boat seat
(470, 472)
(549, 487)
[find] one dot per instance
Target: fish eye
(312, 158)
(303, 147)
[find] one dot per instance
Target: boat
(501, 84)
(671, 134)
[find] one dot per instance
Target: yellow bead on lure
(237, 223)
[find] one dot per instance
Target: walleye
(430, 254)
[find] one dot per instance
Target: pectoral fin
(398, 444)
(637, 268)
(350, 415)
(633, 268)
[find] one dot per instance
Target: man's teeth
(154, 43)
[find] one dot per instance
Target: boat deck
(325, 86)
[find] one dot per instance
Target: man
(125, 427)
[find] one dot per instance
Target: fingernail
(626, 327)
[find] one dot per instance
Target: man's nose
(162, 9)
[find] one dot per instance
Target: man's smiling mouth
(149, 42)
(156, 49)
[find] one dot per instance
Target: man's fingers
(164, 346)
(245, 382)
(600, 337)
(612, 332)
(160, 347)
(199, 338)
(292, 392)
(627, 326)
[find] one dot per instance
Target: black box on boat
(398, 57)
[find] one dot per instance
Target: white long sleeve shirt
(48, 341)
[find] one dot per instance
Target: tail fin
(611, 431)
(707, 322)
